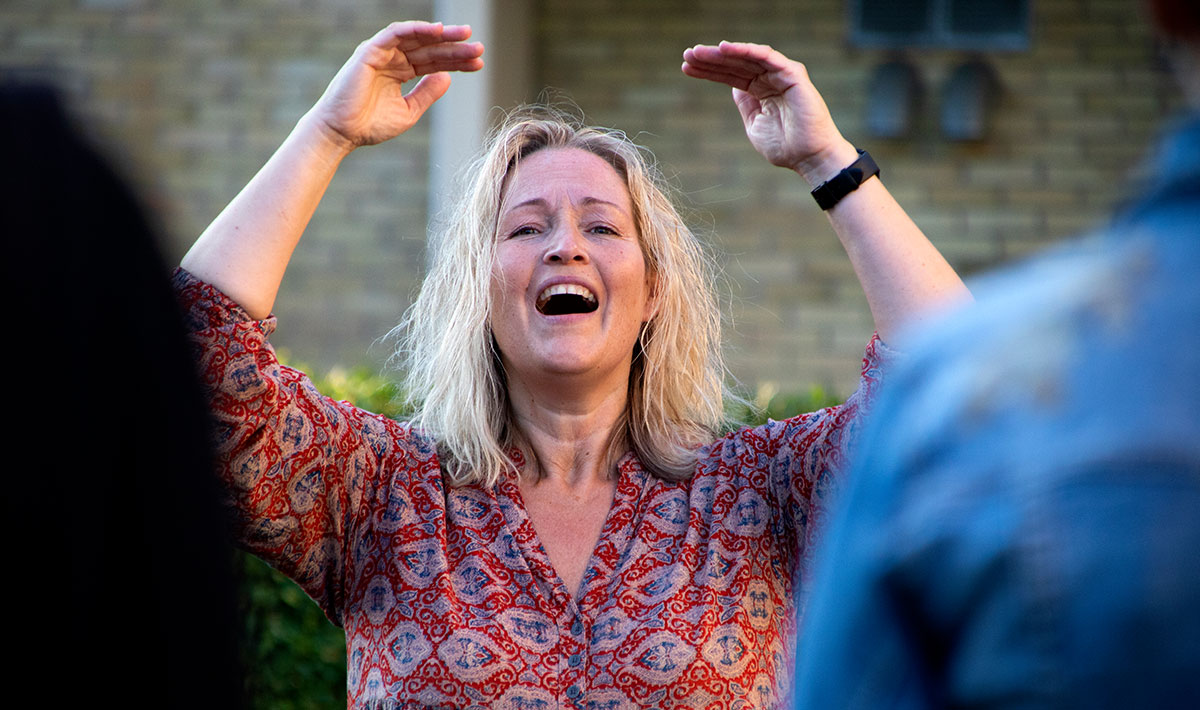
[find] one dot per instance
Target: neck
(569, 427)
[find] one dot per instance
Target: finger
(428, 90)
(750, 61)
(737, 82)
(446, 63)
(456, 53)
(705, 70)
(773, 69)
(470, 65)
(412, 34)
(391, 36)
(384, 49)
(762, 55)
(456, 33)
(452, 34)
(710, 57)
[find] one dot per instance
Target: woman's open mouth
(565, 299)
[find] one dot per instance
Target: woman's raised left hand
(903, 275)
(366, 104)
(786, 119)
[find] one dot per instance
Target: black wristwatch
(831, 192)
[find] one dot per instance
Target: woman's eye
(523, 231)
(603, 229)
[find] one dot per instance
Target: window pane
(895, 18)
(987, 17)
(964, 24)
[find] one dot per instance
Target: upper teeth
(561, 289)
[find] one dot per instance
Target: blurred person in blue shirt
(1022, 526)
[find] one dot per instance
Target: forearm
(904, 276)
(245, 251)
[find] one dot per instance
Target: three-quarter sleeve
(817, 446)
(293, 462)
(798, 462)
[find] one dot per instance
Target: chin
(567, 368)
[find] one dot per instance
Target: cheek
(496, 287)
(505, 277)
(645, 282)
(504, 307)
(506, 294)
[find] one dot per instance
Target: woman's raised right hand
(365, 104)
(246, 249)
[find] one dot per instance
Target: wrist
(829, 193)
(823, 165)
(322, 139)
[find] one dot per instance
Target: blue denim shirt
(1022, 527)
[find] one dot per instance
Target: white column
(460, 120)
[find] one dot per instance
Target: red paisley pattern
(448, 598)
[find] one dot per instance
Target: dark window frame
(937, 31)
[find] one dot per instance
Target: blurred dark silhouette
(119, 578)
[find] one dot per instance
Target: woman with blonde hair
(675, 384)
(561, 524)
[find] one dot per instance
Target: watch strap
(831, 192)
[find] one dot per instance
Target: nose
(566, 245)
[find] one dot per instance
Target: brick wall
(197, 95)
(192, 96)
(1076, 111)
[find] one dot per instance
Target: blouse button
(574, 660)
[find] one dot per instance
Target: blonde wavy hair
(455, 381)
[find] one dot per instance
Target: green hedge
(294, 658)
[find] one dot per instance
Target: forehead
(553, 173)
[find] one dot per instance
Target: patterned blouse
(447, 596)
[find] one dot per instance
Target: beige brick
(1045, 197)
(1065, 224)
(1010, 219)
(995, 174)
(1076, 108)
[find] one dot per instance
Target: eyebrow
(539, 202)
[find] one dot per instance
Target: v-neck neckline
(615, 533)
